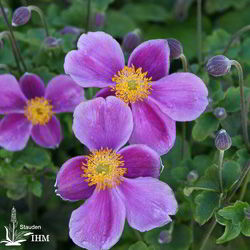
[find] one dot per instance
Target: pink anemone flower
(30, 109)
(157, 100)
(117, 183)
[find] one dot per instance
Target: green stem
(199, 31)
(242, 103)
(12, 36)
(244, 187)
(88, 16)
(235, 36)
(210, 230)
(244, 174)
(14, 51)
(184, 62)
(220, 169)
(39, 11)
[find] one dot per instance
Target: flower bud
(99, 20)
(70, 30)
(192, 176)
(175, 47)
(52, 42)
(247, 212)
(21, 16)
(220, 113)
(131, 40)
(218, 65)
(222, 140)
(164, 237)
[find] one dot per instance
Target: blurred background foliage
(27, 178)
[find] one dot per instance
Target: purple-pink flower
(30, 109)
(117, 183)
(156, 99)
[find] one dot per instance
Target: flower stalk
(221, 156)
(242, 103)
(235, 36)
(12, 37)
(199, 31)
(39, 11)
(14, 49)
(88, 16)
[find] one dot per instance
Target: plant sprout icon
(13, 237)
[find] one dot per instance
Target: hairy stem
(220, 170)
(40, 13)
(12, 37)
(242, 103)
(244, 174)
(88, 16)
(244, 187)
(14, 51)
(235, 36)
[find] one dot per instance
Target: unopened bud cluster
(21, 16)
(223, 141)
(131, 40)
(218, 65)
(176, 49)
(220, 113)
(165, 237)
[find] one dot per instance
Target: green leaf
(32, 157)
(206, 203)
(244, 157)
(180, 232)
(232, 99)
(245, 227)
(234, 213)
(230, 174)
(101, 5)
(118, 24)
(205, 125)
(217, 41)
(213, 6)
(36, 188)
(139, 245)
(145, 12)
(230, 233)
(242, 17)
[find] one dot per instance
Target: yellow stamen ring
(103, 168)
(38, 110)
(131, 84)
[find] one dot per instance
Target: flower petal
(182, 96)
(98, 59)
(140, 161)
(15, 131)
(99, 222)
(49, 135)
(152, 127)
(32, 85)
(64, 94)
(70, 184)
(153, 57)
(103, 123)
(148, 202)
(105, 92)
(12, 100)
